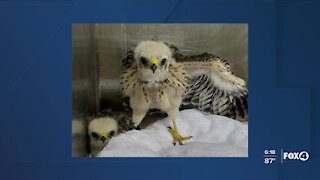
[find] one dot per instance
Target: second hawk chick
(105, 125)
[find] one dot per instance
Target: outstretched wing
(213, 88)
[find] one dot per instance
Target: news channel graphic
(270, 156)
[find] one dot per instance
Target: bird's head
(102, 129)
(153, 59)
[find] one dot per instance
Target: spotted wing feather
(214, 90)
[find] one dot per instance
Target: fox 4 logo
(302, 155)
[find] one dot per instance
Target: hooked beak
(103, 136)
(153, 68)
(103, 139)
(154, 64)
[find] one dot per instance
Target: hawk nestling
(105, 125)
(156, 76)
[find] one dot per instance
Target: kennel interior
(97, 51)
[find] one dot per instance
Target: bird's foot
(177, 137)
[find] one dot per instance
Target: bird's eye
(111, 133)
(163, 62)
(143, 60)
(95, 135)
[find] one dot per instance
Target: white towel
(213, 136)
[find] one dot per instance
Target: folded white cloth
(213, 136)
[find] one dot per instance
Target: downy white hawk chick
(105, 125)
(156, 76)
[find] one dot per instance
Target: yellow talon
(176, 135)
